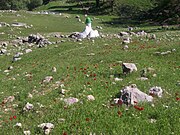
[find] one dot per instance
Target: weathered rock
(128, 67)
(16, 57)
(9, 99)
(77, 16)
(126, 40)
(71, 100)
(3, 51)
(142, 78)
(18, 24)
(118, 79)
(141, 33)
(125, 47)
(147, 72)
(4, 44)
(123, 33)
(46, 127)
(54, 69)
(47, 79)
(28, 107)
(156, 91)
(10, 67)
(28, 50)
(131, 95)
(19, 125)
(90, 98)
(27, 132)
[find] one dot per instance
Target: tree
(97, 3)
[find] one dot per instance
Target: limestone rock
(131, 94)
(147, 72)
(28, 107)
(71, 100)
(128, 67)
(28, 50)
(47, 127)
(156, 91)
(27, 132)
(90, 98)
(47, 79)
(123, 33)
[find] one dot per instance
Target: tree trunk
(97, 3)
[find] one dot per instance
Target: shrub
(34, 3)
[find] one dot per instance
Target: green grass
(87, 117)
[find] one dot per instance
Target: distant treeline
(159, 10)
(21, 4)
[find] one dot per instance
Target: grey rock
(156, 91)
(128, 67)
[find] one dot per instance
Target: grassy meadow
(87, 67)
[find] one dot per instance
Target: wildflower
(94, 79)
(11, 118)
(119, 102)
(94, 75)
(14, 117)
(65, 133)
(138, 108)
(87, 119)
(119, 113)
(178, 99)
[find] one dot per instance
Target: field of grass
(83, 74)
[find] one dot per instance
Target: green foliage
(132, 7)
(34, 3)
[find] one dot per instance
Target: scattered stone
(142, 78)
(118, 79)
(16, 57)
(3, 51)
(8, 99)
(27, 132)
(47, 79)
(153, 120)
(99, 27)
(90, 98)
(4, 44)
(54, 69)
(61, 120)
(28, 107)
(123, 33)
(80, 40)
(77, 16)
(142, 33)
(125, 47)
(19, 125)
(147, 72)
(10, 67)
(90, 54)
(39, 40)
(71, 100)
(28, 50)
(131, 95)
(30, 95)
(156, 91)
(153, 36)
(126, 40)
(128, 67)
(18, 24)
(46, 127)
